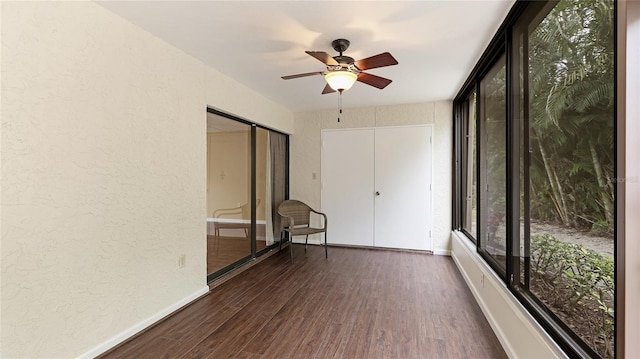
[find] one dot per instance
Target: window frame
(481, 171)
(461, 184)
(522, 13)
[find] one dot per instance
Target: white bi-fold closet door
(376, 186)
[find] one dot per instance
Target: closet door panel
(347, 185)
(403, 181)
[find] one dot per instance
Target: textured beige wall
(306, 152)
(225, 94)
(103, 150)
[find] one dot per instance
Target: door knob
(377, 193)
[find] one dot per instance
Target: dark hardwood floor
(360, 303)
(223, 251)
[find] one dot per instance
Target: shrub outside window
(545, 144)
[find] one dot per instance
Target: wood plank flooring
(360, 303)
(223, 251)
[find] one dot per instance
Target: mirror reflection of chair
(233, 218)
(296, 217)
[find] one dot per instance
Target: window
(469, 177)
(247, 178)
(493, 119)
(545, 151)
(567, 122)
(229, 194)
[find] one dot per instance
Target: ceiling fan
(343, 71)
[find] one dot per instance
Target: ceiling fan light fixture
(340, 80)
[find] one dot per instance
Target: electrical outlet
(182, 260)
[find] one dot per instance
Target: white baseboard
(120, 338)
(442, 252)
(436, 252)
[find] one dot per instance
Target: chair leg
(291, 247)
(280, 243)
(306, 240)
(326, 254)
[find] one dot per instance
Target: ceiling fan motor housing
(340, 45)
(344, 59)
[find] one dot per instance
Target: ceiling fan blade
(323, 57)
(289, 77)
(380, 60)
(373, 80)
(327, 89)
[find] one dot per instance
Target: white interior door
(347, 185)
(403, 181)
(392, 161)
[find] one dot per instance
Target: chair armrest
(218, 213)
(324, 216)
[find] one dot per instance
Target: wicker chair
(295, 221)
(238, 217)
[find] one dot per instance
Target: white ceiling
(436, 43)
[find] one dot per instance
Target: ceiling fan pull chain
(339, 104)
